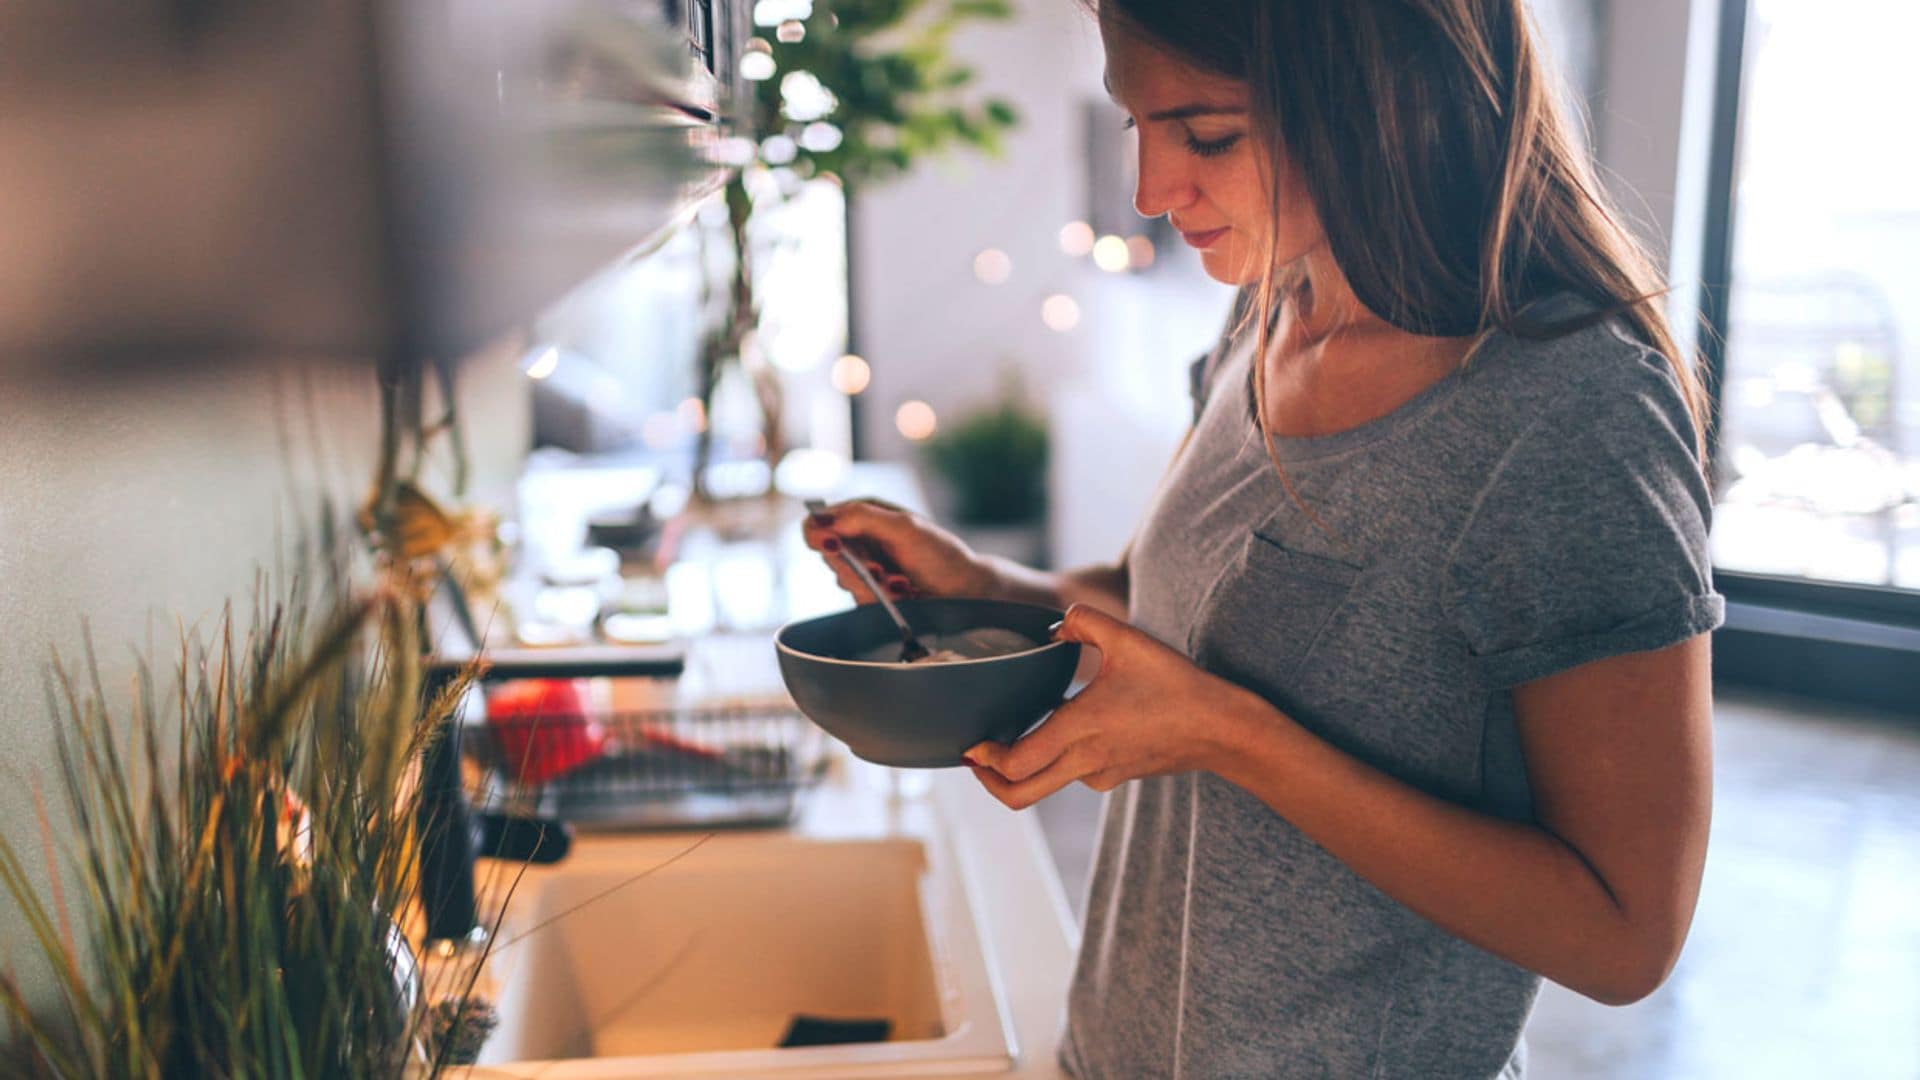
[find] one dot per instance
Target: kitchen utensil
(910, 647)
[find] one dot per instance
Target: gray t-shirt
(1541, 509)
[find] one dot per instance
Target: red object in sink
(543, 728)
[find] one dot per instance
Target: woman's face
(1200, 164)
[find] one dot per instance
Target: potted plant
(993, 464)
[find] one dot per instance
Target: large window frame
(1852, 643)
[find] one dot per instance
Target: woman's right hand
(908, 555)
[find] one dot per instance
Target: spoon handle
(912, 649)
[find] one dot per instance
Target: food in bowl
(978, 644)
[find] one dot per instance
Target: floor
(1804, 960)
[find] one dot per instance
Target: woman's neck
(1335, 365)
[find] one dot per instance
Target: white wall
(139, 498)
(1116, 385)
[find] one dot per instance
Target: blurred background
(665, 268)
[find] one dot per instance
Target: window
(1819, 447)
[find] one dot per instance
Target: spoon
(910, 647)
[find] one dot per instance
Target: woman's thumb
(1088, 625)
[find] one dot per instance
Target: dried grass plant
(244, 840)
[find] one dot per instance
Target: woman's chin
(1229, 265)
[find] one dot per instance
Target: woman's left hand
(1148, 711)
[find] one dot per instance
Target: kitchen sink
(678, 955)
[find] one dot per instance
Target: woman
(1403, 693)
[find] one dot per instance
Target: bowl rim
(780, 644)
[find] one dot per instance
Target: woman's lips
(1206, 239)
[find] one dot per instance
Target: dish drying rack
(666, 766)
(673, 767)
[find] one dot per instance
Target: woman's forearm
(1103, 586)
(1511, 888)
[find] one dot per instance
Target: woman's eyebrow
(1182, 112)
(1185, 112)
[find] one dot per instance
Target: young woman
(1403, 693)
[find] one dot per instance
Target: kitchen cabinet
(200, 179)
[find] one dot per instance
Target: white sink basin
(698, 968)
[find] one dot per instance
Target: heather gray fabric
(1540, 510)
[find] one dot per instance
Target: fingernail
(830, 544)
(1054, 630)
(823, 519)
(971, 759)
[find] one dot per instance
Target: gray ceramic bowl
(923, 716)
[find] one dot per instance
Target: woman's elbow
(1632, 974)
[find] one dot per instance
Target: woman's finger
(1035, 751)
(1019, 796)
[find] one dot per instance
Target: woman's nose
(1163, 184)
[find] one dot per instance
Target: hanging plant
(854, 90)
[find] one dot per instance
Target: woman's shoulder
(1590, 386)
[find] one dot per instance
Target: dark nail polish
(830, 544)
(823, 520)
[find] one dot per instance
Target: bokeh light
(1140, 252)
(992, 266)
(778, 150)
(756, 65)
(1060, 312)
(1076, 238)
(693, 415)
(777, 12)
(1110, 254)
(916, 421)
(821, 137)
(804, 99)
(850, 375)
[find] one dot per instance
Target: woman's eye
(1211, 147)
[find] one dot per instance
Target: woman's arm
(1598, 891)
(1102, 586)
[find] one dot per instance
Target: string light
(850, 375)
(1076, 238)
(1060, 313)
(1110, 254)
(992, 266)
(916, 421)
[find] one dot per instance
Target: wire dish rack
(677, 767)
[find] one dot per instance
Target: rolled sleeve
(1590, 539)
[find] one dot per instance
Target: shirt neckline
(1303, 448)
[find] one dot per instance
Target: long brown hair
(1453, 190)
